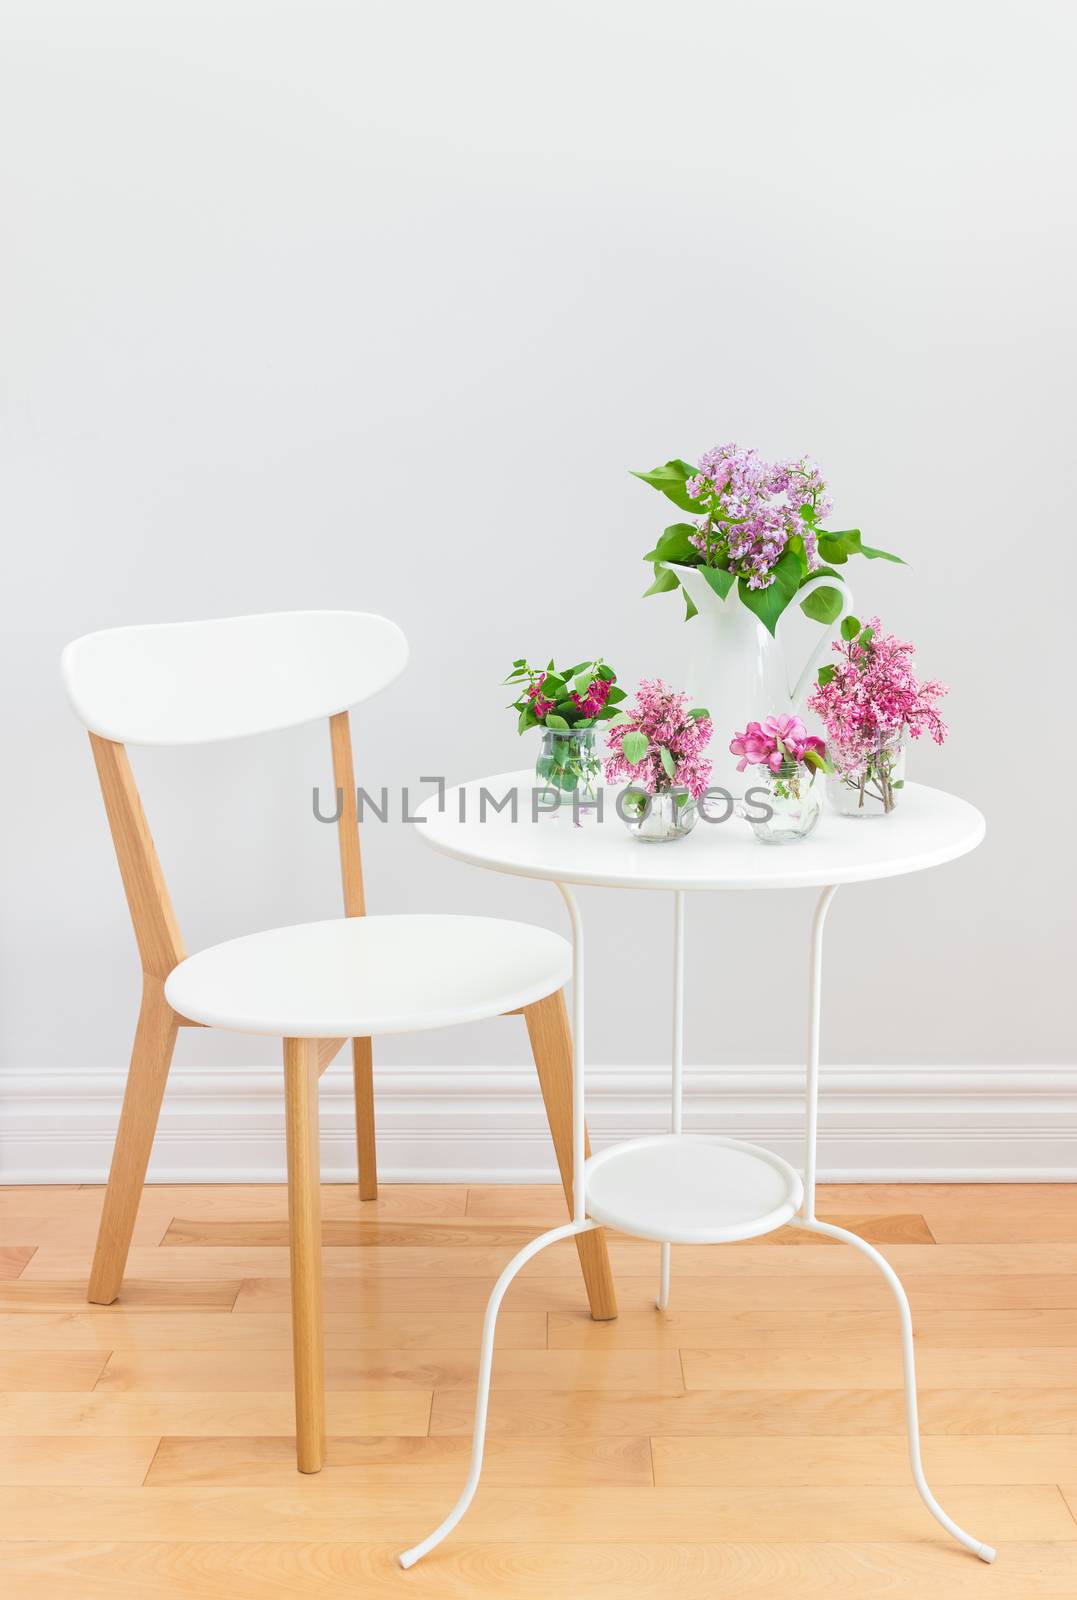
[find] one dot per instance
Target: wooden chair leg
(151, 1057)
(551, 1046)
(363, 1073)
(305, 1239)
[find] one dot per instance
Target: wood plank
(107, 1329)
(117, 1463)
(803, 1411)
(876, 1367)
(519, 1571)
(51, 1370)
(268, 1201)
(234, 1371)
(79, 1228)
(629, 1257)
(108, 1414)
(711, 1293)
(387, 1462)
(357, 1233)
(225, 1570)
(696, 1460)
(978, 1224)
(184, 1295)
(432, 1293)
(808, 1327)
(13, 1258)
(320, 1512)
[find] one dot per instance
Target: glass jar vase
(791, 797)
(569, 762)
(658, 818)
(867, 785)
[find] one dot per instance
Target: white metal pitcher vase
(737, 668)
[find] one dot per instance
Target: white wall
(374, 305)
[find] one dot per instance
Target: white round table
(678, 1187)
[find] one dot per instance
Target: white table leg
(811, 1223)
(676, 1122)
(579, 1224)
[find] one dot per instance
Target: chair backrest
(201, 682)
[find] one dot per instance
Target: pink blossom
(775, 743)
(874, 692)
(663, 716)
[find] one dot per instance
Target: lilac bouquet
(759, 525)
(658, 744)
(869, 700)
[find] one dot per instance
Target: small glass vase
(794, 802)
(867, 786)
(658, 818)
(569, 762)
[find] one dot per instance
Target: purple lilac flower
(752, 508)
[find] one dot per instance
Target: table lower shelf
(691, 1188)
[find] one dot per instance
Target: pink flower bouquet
(870, 701)
(657, 745)
(787, 757)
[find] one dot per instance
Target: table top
(927, 828)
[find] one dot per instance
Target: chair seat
(359, 976)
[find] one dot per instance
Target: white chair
(315, 985)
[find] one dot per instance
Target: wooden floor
(748, 1443)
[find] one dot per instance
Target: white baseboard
(447, 1124)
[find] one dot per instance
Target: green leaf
(825, 674)
(865, 638)
(699, 712)
(833, 551)
(850, 627)
(848, 541)
(768, 604)
(822, 605)
(668, 763)
(615, 696)
(664, 580)
(676, 545)
(554, 721)
(670, 481)
(527, 719)
(607, 674)
(634, 746)
(721, 582)
(796, 544)
(690, 607)
(618, 719)
(582, 682)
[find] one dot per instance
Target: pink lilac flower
(774, 744)
(873, 693)
(753, 507)
(663, 716)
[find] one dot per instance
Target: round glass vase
(794, 802)
(867, 785)
(569, 763)
(658, 818)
